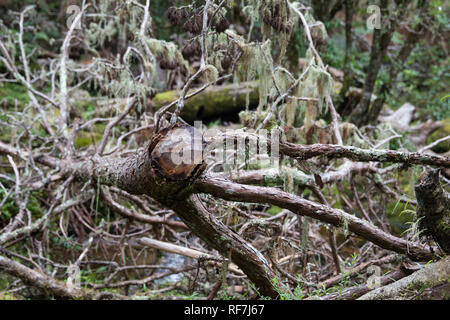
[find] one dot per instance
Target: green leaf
(41, 36)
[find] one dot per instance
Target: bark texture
(381, 40)
(432, 275)
(433, 209)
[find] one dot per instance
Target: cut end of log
(177, 152)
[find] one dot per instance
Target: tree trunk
(381, 41)
(396, 65)
(349, 4)
(433, 209)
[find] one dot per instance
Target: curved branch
(135, 174)
(228, 190)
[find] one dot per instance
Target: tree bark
(335, 151)
(430, 276)
(348, 4)
(396, 64)
(433, 209)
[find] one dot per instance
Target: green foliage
(424, 82)
(66, 244)
(274, 210)
(442, 132)
(5, 295)
(12, 94)
(10, 208)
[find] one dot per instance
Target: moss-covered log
(213, 101)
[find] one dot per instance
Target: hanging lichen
(211, 74)
(168, 54)
(317, 85)
(318, 31)
(344, 224)
(277, 22)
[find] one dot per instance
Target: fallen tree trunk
(214, 101)
(151, 172)
(432, 275)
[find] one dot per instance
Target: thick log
(212, 102)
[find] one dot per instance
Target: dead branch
(235, 192)
(431, 275)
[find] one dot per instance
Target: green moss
(7, 296)
(162, 98)
(212, 102)
(441, 133)
(12, 92)
(274, 210)
(85, 139)
(99, 129)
